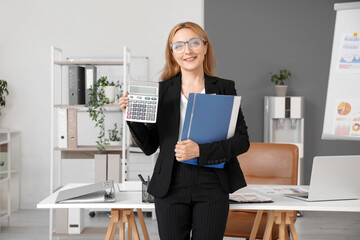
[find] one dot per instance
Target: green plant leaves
(97, 110)
(3, 93)
(281, 77)
(113, 134)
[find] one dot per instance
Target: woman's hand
(124, 101)
(186, 150)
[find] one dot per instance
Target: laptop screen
(335, 178)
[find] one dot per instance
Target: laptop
(333, 178)
(101, 192)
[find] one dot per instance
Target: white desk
(280, 211)
(280, 202)
(121, 211)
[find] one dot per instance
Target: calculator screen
(142, 90)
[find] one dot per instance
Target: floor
(33, 225)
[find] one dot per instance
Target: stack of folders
(210, 118)
(100, 192)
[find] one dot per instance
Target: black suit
(169, 176)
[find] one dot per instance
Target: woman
(189, 198)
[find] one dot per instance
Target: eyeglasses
(194, 43)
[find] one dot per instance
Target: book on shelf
(100, 165)
(76, 85)
(72, 136)
(62, 128)
(90, 81)
(75, 221)
(114, 167)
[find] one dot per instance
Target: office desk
(121, 211)
(280, 210)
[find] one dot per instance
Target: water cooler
(284, 123)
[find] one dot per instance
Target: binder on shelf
(62, 128)
(90, 81)
(61, 221)
(210, 118)
(75, 220)
(114, 167)
(72, 138)
(76, 85)
(99, 192)
(100, 164)
(3, 161)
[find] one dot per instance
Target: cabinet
(9, 173)
(85, 150)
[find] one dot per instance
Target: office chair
(264, 163)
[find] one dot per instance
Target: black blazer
(164, 134)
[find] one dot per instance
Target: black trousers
(195, 205)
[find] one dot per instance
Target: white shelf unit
(59, 100)
(9, 173)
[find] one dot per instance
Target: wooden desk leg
(110, 234)
(132, 222)
(122, 223)
(292, 229)
(282, 226)
(287, 234)
(142, 222)
(126, 216)
(269, 225)
(256, 225)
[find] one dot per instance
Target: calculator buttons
(142, 108)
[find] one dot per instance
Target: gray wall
(252, 38)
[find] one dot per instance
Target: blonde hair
(171, 67)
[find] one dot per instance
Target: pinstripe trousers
(196, 205)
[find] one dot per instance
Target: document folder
(210, 118)
(92, 193)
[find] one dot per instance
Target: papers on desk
(277, 190)
(249, 198)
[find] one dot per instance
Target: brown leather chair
(264, 163)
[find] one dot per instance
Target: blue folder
(210, 118)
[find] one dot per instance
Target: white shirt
(183, 106)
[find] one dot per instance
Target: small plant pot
(281, 90)
(114, 143)
(110, 93)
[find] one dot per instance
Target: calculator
(143, 102)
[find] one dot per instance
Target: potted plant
(109, 88)
(114, 137)
(96, 108)
(3, 93)
(279, 81)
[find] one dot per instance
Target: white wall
(82, 28)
